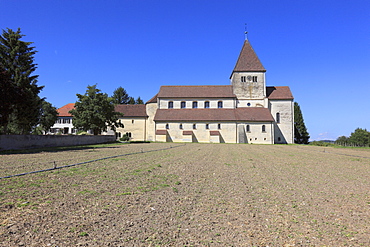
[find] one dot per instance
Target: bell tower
(248, 78)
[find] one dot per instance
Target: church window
(132, 121)
(183, 104)
(243, 79)
(254, 78)
(167, 126)
(263, 128)
(206, 104)
(279, 139)
(170, 105)
(278, 117)
(195, 104)
(194, 126)
(248, 104)
(219, 126)
(207, 126)
(219, 104)
(248, 128)
(180, 126)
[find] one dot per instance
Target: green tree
(17, 59)
(95, 111)
(359, 137)
(7, 99)
(120, 96)
(49, 116)
(301, 135)
(342, 140)
(139, 101)
(131, 101)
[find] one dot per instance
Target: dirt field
(188, 195)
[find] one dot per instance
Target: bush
(125, 138)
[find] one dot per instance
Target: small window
(219, 126)
(248, 128)
(195, 104)
(170, 105)
(243, 79)
(278, 117)
(207, 126)
(248, 104)
(194, 126)
(219, 104)
(180, 126)
(206, 104)
(128, 134)
(183, 104)
(132, 121)
(279, 139)
(254, 78)
(167, 126)
(263, 128)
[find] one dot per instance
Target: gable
(64, 110)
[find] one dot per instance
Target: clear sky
(319, 48)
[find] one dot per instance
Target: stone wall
(12, 142)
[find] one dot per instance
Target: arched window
(207, 126)
(183, 104)
(195, 104)
(219, 126)
(219, 104)
(278, 117)
(248, 128)
(170, 105)
(180, 126)
(194, 126)
(206, 104)
(263, 128)
(167, 126)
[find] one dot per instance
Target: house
(64, 125)
(244, 112)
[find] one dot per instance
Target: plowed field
(187, 195)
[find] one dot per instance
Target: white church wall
(284, 129)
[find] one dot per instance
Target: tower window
(243, 79)
(195, 104)
(183, 104)
(170, 105)
(219, 104)
(254, 78)
(206, 104)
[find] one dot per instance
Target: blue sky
(320, 49)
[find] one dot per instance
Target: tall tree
(301, 135)
(120, 96)
(49, 116)
(17, 59)
(7, 99)
(95, 111)
(139, 101)
(131, 101)
(360, 137)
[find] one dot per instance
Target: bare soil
(187, 195)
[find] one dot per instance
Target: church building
(246, 111)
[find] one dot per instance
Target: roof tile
(132, 110)
(224, 91)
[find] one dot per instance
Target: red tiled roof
(239, 114)
(279, 93)
(214, 133)
(224, 91)
(64, 110)
(248, 60)
(131, 110)
(152, 100)
(161, 132)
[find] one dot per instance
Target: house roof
(255, 114)
(248, 60)
(64, 110)
(279, 93)
(224, 91)
(132, 110)
(152, 100)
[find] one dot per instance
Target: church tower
(248, 79)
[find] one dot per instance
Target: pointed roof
(64, 110)
(248, 60)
